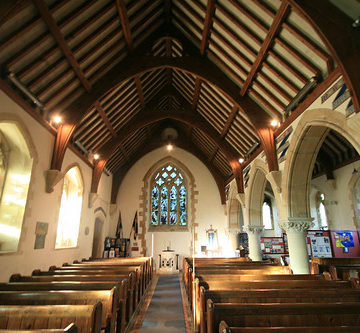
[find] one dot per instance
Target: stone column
(253, 232)
(295, 229)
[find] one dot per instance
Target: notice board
(272, 245)
(345, 243)
(319, 244)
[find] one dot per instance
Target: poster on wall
(345, 243)
(242, 240)
(272, 245)
(319, 245)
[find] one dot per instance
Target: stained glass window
(168, 198)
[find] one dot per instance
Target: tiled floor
(163, 309)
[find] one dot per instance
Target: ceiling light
(274, 123)
(57, 120)
(96, 156)
(241, 160)
(169, 147)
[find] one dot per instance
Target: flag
(135, 226)
(119, 227)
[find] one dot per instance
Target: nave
(164, 307)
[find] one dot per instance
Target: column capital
(253, 228)
(298, 224)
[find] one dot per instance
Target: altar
(168, 261)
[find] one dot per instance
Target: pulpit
(168, 261)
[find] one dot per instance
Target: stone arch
(355, 177)
(98, 232)
(145, 199)
(234, 210)
(306, 141)
(254, 195)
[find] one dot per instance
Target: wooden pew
(273, 296)
(282, 315)
(224, 328)
(87, 266)
(69, 329)
(108, 299)
(241, 269)
(139, 276)
(87, 318)
(130, 296)
(76, 285)
(342, 268)
(128, 261)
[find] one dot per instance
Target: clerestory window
(168, 198)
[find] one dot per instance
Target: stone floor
(163, 308)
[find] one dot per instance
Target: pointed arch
(304, 146)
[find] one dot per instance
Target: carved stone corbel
(241, 198)
(52, 177)
(331, 183)
(92, 198)
(275, 177)
(112, 208)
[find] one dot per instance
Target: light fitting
(169, 147)
(57, 120)
(274, 123)
(96, 156)
(12, 77)
(241, 160)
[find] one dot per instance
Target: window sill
(167, 228)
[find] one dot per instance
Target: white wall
(337, 201)
(209, 210)
(44, 207)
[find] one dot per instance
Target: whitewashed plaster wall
(44, 207)
(338, 206)
(209, 210)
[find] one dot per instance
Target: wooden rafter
(273, 31)
(107, 123)
(58, 36)
(124, 20)
(229, 121)
(210, 11)
(197, 90)
(140, 90)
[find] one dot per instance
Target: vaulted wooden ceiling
(217, 71)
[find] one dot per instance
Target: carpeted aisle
(165, 312)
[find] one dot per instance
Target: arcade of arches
(303, 175)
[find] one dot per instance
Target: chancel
(181, 165)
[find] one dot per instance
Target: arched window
(168, 198)
(15, 172)
(267, 215)
(323, 222)
(70, 210)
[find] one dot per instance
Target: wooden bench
(133, 284)
(87, 318)
(139, 277)
(342, 268)
(282, 315)
(69, 329)
(147, 263)
(273, 296)
(262, 284)
(74, 285)
(130, 293)
(108, 299)
(241, 269)
(224, 328)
